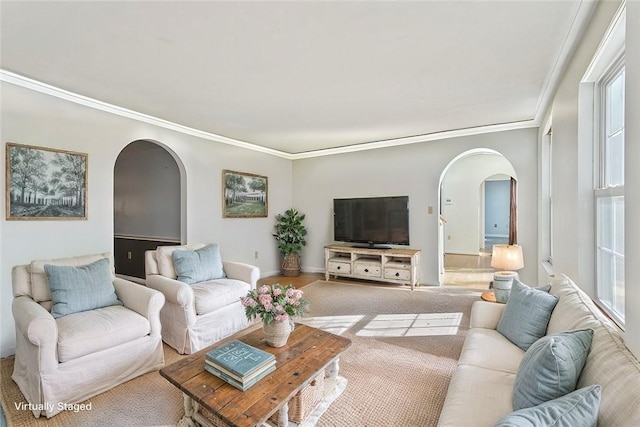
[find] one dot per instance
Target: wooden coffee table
(209, 400)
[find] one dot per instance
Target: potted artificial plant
(290, 235)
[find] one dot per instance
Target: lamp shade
(507, 257)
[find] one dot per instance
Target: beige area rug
(399, 379)
(393, 380)
(148, 400)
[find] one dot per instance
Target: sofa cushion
(578, 408)
(40, 291)
(488, 348)
(551, 367)
(214, 294)
(91, 331)
(76, 289)
(164, 258)
(199, 265)
(477, 397)
(526, 315)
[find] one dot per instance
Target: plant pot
(291, 265)
(277, 332)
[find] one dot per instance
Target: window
(609, 192)
(601, 127)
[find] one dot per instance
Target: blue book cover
(237, 384)
(239, 358)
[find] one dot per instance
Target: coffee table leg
(332, 369)
(283, 415)
(190, 408)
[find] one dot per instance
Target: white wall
(412, 170)
(632, 179)
(573, 168)
(572, 185)
(33, 118)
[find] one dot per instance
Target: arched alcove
(462, 203)
(148, 203)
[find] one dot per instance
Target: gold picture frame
(244, 195)
(45, 183)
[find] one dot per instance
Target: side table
(488, 296)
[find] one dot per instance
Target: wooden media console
(391, 265)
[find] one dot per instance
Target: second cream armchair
(199, 310)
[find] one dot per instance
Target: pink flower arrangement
(275, 302)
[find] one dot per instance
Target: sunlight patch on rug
(412, 325)
(334, 324)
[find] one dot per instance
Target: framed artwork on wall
(45, 183)
(244, 195)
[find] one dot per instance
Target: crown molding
(583, 13)
(28, 83)
(47, 89)
(436, 136)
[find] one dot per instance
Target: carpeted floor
(398, 375)
(397, 380)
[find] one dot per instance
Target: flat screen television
(373, 221)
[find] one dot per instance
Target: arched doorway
(148, 204)
(464, 232)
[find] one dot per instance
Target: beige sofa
(481, 390)
(68, 359)
(199, 314)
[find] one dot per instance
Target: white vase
(502, 282)
(277, 332)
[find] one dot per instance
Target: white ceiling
(299, 77)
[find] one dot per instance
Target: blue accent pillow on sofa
(578, 408)
(526, 315)
(551, 367)
(199, 265)
(75, 289)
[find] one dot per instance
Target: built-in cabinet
(385, 265)
(128, 253)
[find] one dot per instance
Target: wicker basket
(301, 405)
(208, 418)
(291, 265)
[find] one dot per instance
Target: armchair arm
(38, 330)
(144, 301)
(486, 314)
(241, 271)
(174, 291)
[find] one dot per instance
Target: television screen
(372, 220)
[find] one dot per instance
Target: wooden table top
(488, 296)
(307, 353)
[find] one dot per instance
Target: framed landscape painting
(244, 194)
(45, 183)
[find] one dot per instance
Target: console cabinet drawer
(397, 274)
(339, 267)
(368, 270)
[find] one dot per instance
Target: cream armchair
(204, 312)
(72, 357)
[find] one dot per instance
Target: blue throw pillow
(578, 408)
(551, 367)
(199, 265)
(75, 289)
(526, 315)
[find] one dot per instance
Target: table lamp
(506, 259)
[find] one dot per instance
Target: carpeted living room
(310, 213)
(395, 376)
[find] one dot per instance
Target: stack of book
(239, 364)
